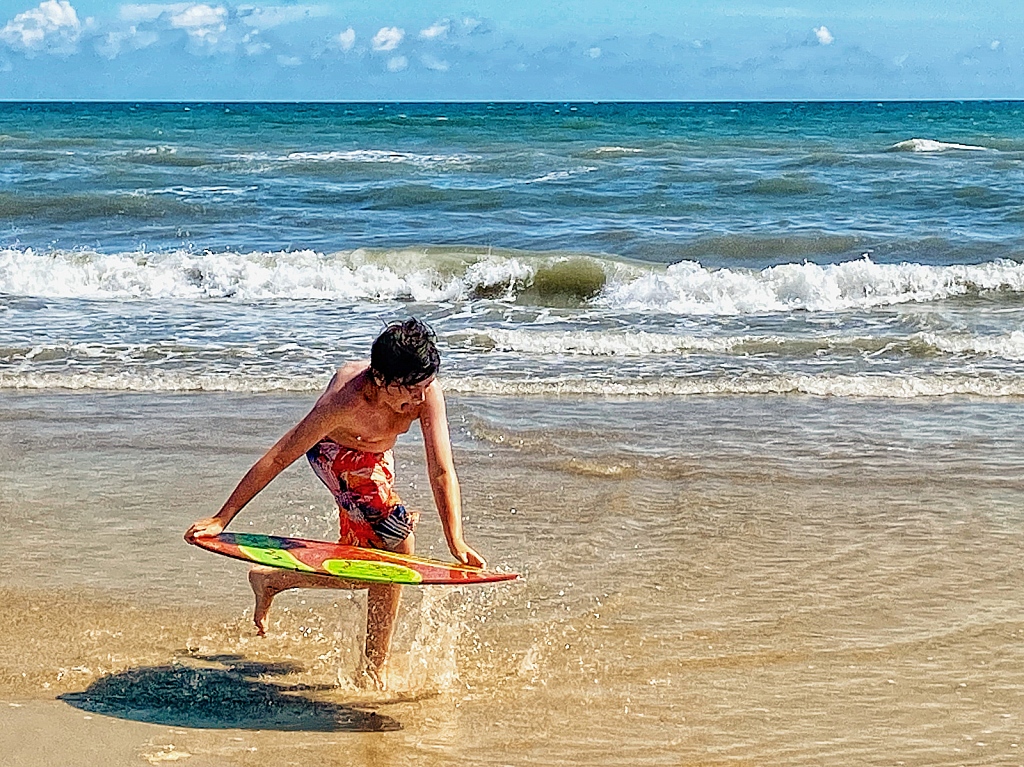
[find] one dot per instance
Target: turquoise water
(747, 184)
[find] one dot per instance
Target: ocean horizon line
(544, 101)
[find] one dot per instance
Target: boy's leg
(381, 610)
(381, 604)
(268, 582)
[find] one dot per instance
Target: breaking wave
(823, 385)
(689, 288)
(453, 275)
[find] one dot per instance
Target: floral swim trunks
(370, 512)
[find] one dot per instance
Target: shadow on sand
(221, 698)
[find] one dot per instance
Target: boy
(348, 438)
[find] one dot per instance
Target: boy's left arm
(441, 471)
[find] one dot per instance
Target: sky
(448, 50)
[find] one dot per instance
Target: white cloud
(594, 53)
(264, 17)
(388, 38)
(211, 27)
(824, 36)
(216, 26)
(204, 24)
(397, 64)
(436, 31)
(54, 25)
(200, 20)
(347, 39)
(252, 45)
(289, 61)
(995, 45)
(433, 63)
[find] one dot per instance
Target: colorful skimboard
(351, 562)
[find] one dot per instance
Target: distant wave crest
(930, 145)
(639, 343)
(164, 381)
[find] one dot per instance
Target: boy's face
(403, 399)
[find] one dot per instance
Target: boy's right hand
(466, 555)
(205, 528)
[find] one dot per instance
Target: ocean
(736, 386)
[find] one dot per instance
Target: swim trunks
(370, 512)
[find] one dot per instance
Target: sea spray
(431, 662)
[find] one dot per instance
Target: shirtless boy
(348, 438)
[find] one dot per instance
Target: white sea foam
(821, 385)
(379, 156)
(352, 276)
(930, 145)
(163, 381)
(1009, 346)
(560, 175)
(605, 344)
(689, 288)
(183, 274)
(686, 288)
(301, 359)
(154, 150)
(203, 191)
(618, 343)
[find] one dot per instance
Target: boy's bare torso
(363, 417)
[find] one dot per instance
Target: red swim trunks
(370, 512)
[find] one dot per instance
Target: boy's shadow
(220, 698)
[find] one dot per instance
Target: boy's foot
(265, 592)
(373, 679)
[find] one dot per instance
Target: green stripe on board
(275, 558)
(381, 572)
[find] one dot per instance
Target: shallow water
(753, 580)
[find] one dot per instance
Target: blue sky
(518, 49)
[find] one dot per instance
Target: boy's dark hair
(405, 354)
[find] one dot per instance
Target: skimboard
(340, 561)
